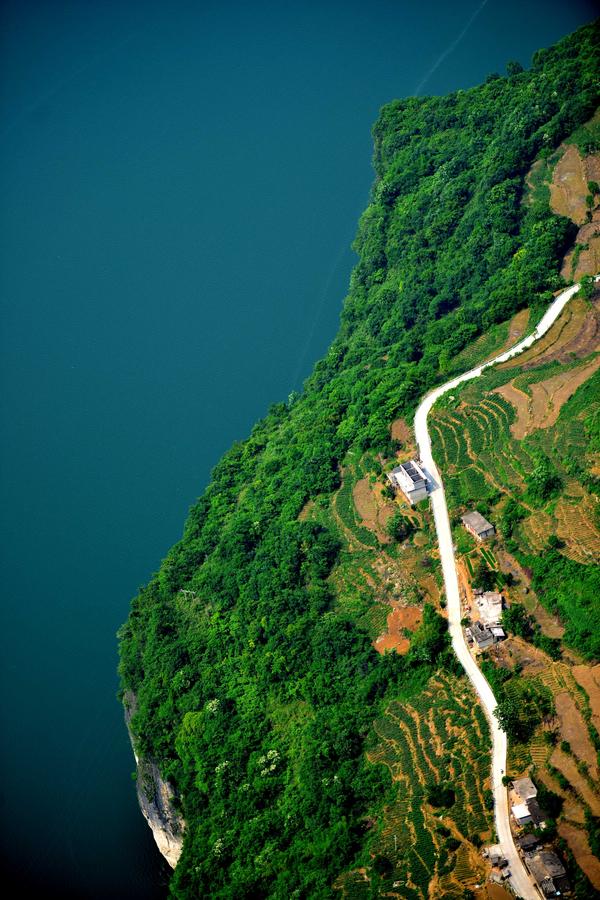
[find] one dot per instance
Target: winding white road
(520, 880)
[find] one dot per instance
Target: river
(181, 184)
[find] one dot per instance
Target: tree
(516, 620)
(513, 68)
(543, 482)
(483, 577)
(399, 527)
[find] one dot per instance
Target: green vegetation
(516, 620)
(400, 527)
(522, 705)
(436, 744)
(439, 795)
(256, 685)
(531, 488)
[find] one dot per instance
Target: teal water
(181, 183)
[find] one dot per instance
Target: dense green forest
(255, 694)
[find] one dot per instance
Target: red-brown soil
(401, 617)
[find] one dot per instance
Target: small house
(527, 842)
(479, 527)
(538, 816)
(524, 788)
(410, 478)
(521, 813)
(548, 872)
(482, 636)
(496, 856)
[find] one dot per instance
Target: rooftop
(537, 814)
(520, 811)
(413, 470)
(527, 842)
(490, 607)
(482, 634)
(525, 788)
(476, 521)
(544, 864)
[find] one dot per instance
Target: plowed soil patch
(401, 431)
(547, 397)
(541, 410)
(568, 189)
(575, 334)
(589, 679)
(394, 639)
(578, 842)
(566, 765)
(367, 508)
(588, 261)
(514, 651)
(573, 730)
(364, 501)
(520, 401)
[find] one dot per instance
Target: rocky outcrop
(156, 798)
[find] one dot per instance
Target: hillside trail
(520, 879)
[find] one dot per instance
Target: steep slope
(251, 659)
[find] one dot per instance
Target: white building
(521, 813)
(490, 607)
(411, 480)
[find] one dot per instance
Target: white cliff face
(155, 797)
(156, 800)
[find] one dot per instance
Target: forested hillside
(256, 679)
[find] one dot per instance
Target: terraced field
(482, 460)
(440, 736)
(473, 443)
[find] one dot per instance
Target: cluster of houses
(523, 804)
(544, 866)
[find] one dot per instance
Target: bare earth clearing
(573, 730)
(408, 617)
(568, 192)
(541, 409)
(574, 336)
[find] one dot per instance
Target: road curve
(520, 880)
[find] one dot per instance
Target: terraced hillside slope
(296, 748)
(520, 445)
